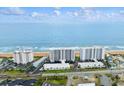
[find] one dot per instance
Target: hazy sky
(52, 26)
(60, 15)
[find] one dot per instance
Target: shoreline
(46, 53)
(38, 54)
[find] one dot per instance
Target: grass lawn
(70, 70)
(57, 82)
(121, 83)
(78, 80)
(37, 58)
(53, 80)
(97, 79)
(1, 59)
(92, 69)
(58, 71)
(12, 72)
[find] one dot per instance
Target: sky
(62, 15)
(52, 26)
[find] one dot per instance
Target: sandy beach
(39, 54)
(115, 52)
(2, 55)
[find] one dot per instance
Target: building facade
(91, 53)
(23, 56)
(58, 66)
(58, 54)
(91, 65)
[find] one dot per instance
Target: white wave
(122, 47)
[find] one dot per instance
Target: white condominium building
(91, 65)
(58, 54)
(23, 56)
(57, 66)
(91, 53)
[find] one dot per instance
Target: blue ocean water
(41, 35)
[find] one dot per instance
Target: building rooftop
(23, 50)
(73, 48)
(92, 47)
(56, 64)
(63, 48)
(87, 84)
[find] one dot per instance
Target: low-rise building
(91, 65)
(87, 84)
(56, 66)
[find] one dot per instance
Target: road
(67, 73)
(83, 73)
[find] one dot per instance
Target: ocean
(41, 36)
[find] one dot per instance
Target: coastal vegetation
(57, 71)
(71, 70)
(97, 79)
(77, 58)
(53, 80)
(37, 58)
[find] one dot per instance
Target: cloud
(12, 11)
(57, 13)
(72, 14)
(75, 13)
(59, 16)
(87, 12)
(92, 14)
(36, 14)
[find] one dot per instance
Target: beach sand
(115, 52)
(39, 54)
